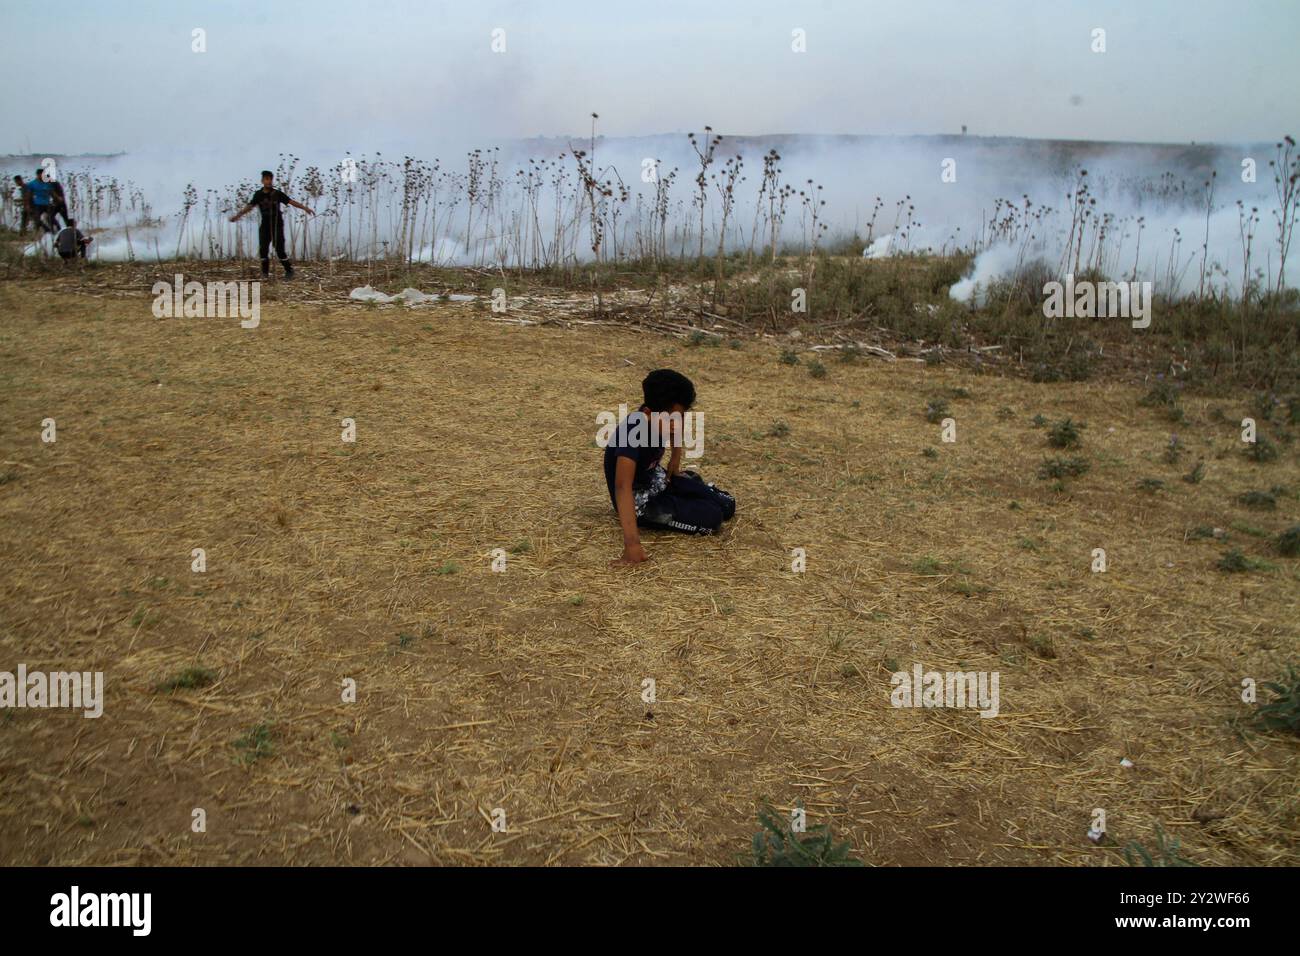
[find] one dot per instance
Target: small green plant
(930, 453)
(1174, 450)
(1288, 542)
(255, 744)
(189, 679)
(816, 369)
(1163, 394)
(1065, 434)
(778, 430)
(789, 358)
(1258, 500)
(850, 353)
(522, 547)
(1005, 414)
(1235, 562)
(927, 565)
(1282, 712)
(1038, 421)
(1043, 646)
(936, 410)
(1058, 468)
(1195, 476)
(1168, 852)
(448, 567)
(777, 844)
(1150, 485)
(1261, 450)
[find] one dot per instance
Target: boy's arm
(242, 213)
(295, 203)
(675, 457)
(624, 472)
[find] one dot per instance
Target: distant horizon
(586, 137)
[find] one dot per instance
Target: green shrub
(1059, 468)
(776, 844)
(1065, 434)
(1282, 712)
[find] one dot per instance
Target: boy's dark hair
(267, 172)
(664, 388)
(18, 179)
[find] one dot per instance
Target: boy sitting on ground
(643, 492)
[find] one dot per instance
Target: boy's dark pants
(688, 504)
(268, 232)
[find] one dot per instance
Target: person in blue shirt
(41, 195)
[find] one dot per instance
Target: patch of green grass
(778, 430)
(577, 600)
(1168, 852)
(1246, 528)
(816, 369)
(255, 744)
(930, 453)
(1194, 476)
(1150, 485)
(789, 357)
(522, 547)
(448, 567)
(1235, 562)
(1288, 542)
(190, 678)
(1042, 645)
(1038, 421)
(927, 565)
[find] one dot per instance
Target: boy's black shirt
(646, 456)
(269, 203)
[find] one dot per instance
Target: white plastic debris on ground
(408, 295)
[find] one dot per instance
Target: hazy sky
(106, 75)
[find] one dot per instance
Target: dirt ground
(522, 691)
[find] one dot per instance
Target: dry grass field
(523, 690)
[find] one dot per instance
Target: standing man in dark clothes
(58, 204)
(268, 201)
